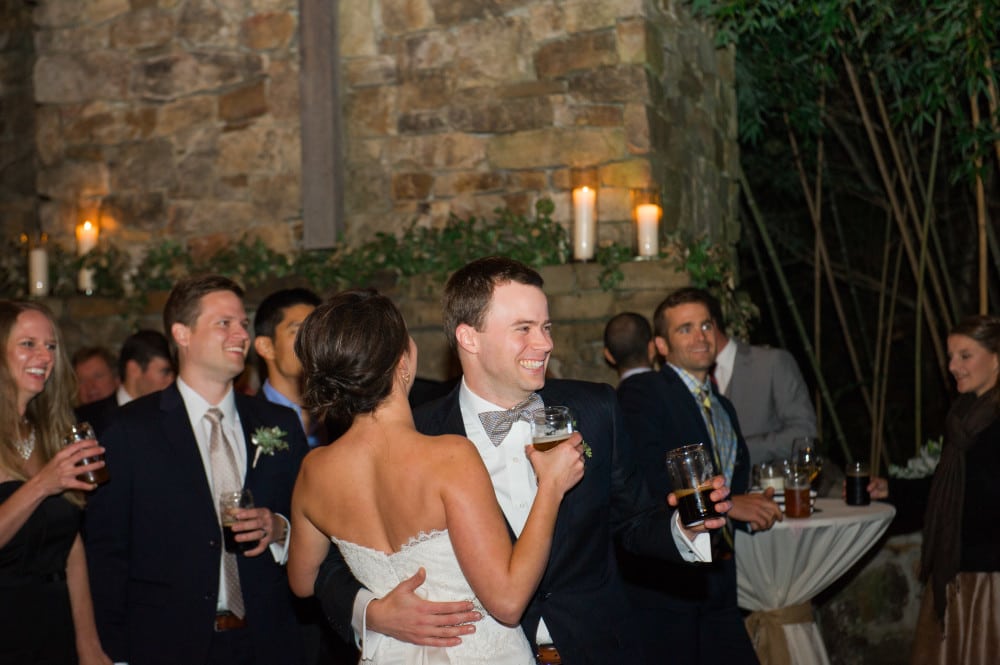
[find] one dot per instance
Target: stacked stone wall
(181, 118)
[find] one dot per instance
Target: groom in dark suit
(496, 317)
(165, 590)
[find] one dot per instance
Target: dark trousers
(231, 647)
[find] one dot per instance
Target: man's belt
(547, 654)
(228, 621)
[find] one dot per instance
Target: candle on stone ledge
(584, 223)
(38, 272)
(647, 211)
(86, 240)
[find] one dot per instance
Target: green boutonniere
(268, 440)
(586, 449)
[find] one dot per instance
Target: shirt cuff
(698, 550)
(280, 550)
(367, 641)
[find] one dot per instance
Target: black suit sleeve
(640, 520)
(336, 588)
(107, 529)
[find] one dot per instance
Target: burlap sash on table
(766, 628)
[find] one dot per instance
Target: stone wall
(579, 308)
(181, 118)
(17, 121)
(456, 107)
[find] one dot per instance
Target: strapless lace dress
(492, 642)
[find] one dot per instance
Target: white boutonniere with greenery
(268, 440)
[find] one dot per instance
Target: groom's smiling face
(508, 356)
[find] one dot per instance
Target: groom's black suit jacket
(581, 595)
(153, 540)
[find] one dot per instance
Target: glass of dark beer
(690, 470)
(230, 503)
(858, 477)
(82, 432)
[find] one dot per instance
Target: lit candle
(38, 272)
(86, 240)
(584, 226)
(86, 237)
(647, 217)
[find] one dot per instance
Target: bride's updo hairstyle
(349, 348)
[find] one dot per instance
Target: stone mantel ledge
(579, 308)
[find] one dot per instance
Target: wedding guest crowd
(435, 532)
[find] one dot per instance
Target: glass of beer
(82, 432)
(797, 500)
(858, 477)
(230, 503)
(550, 426)
(690, 470)
(772, 474)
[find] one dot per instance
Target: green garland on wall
(386, 258)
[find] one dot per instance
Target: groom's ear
(467, 338)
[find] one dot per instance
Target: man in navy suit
(692, 612)
(165, 589)
(496, 317)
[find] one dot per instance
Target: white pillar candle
(38, 272)
(584, 223)
(647, 217)
(86, 240)
(86, 237)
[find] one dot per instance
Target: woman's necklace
(25, 447)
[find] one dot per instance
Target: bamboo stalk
(980, 209)
(772, 306)
(786, 291)
(918, 325)
(821, 261)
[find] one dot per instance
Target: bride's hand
(561, 466)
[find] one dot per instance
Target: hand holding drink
(84, 432)
(230, 505)
(690, 470)
(550, 426)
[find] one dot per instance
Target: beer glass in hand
(551, 426)
(82, 432)
(690, 470)
(230, 503)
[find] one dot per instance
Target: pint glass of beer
(230, 503)
(83, 432)
(858, 477)
(690, 470)
(550, 426)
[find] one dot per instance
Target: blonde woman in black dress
(46, 614)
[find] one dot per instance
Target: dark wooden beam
(322, 165)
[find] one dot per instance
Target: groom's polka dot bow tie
(498, 423)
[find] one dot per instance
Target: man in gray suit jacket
(767, 389)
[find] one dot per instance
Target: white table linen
(798, 558)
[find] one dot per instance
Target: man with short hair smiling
(166, 590)
(690, 612)
(497, 318)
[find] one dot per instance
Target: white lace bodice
(492, 642)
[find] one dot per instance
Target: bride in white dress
(395, 501)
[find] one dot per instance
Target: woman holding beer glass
(960, 559)
(45, 612)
